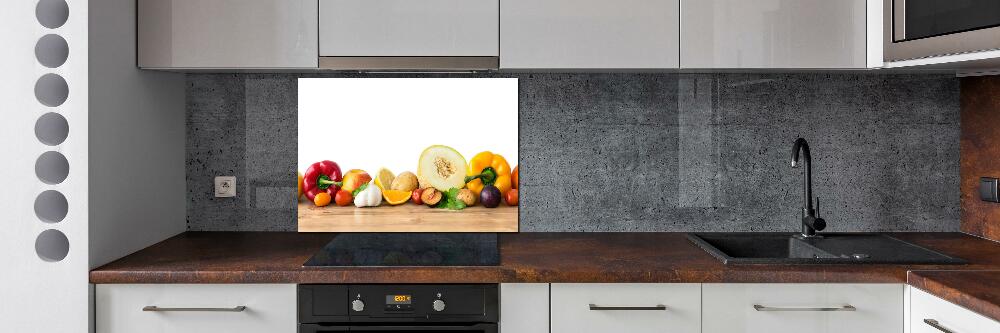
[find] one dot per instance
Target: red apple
(354, 179)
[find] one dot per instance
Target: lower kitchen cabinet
(626, 307)
(817, 308)
(196, 308)
(569, 307)
(524, 307)
(930, 314)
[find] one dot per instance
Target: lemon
(395, 197)
(383, 178)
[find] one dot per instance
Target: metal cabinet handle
(594, 307)
(848, 307)
(240, 308)
(935, 324)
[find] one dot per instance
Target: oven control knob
(438, 305)
(358, 305)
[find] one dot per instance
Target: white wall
(124, 187)
(38, 295)
(137, 187)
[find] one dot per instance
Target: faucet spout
(810, 222)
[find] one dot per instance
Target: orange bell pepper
(498, 165)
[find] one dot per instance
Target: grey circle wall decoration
(52, 13)
(51, 206)
(52, 245)
(52, 167)
(51, 90)
(51, 50)
(51, 129)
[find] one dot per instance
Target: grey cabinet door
(589, 34)
(408, 28)
(227, 33)
(773, 34)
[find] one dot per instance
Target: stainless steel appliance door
(916, 19)
(926, 28)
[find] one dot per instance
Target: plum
(490, 196)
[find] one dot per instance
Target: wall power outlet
(988, 189)
(225, 186)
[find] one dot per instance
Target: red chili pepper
(322, 176)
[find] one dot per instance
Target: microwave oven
(915, 29)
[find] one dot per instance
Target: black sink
(786, 248)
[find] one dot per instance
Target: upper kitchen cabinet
(406, 34)
(589, 34)
(188, 34)
(779, 34)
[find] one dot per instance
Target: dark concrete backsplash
(639, 152)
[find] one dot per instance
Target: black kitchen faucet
(810, 221)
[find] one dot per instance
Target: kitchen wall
(980, 149)
(638, 152)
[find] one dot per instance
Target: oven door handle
(483, 327)
(312, 328)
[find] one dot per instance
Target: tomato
(415, 197)
(344, 198)
(321, 199)
(511, 197)
(513, 178)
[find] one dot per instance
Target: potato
(406, 181)
(465, 195)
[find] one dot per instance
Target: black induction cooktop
(408, 249)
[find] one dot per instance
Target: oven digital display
(398, 299)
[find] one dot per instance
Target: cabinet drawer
(582, 34)
(622, 307)
(948, 316)
(403, 28)
(269, 308)
(817, 308)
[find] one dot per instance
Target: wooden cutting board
(406, 217)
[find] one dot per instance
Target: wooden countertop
(277, 257)
(978, 291)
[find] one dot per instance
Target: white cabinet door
(524, 307)
(625, 307)
(227, 33)
(269, 308)
(777, 308)
(773, 34)
(589, 34)
(927, 310)
(407, 28)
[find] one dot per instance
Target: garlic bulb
(371, 196)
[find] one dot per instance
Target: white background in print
(368, 123)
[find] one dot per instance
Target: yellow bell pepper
(488, 159)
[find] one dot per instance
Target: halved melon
(441, 167)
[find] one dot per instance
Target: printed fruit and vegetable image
(444, 182)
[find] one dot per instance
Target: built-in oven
(928, 28)
(385, 308)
